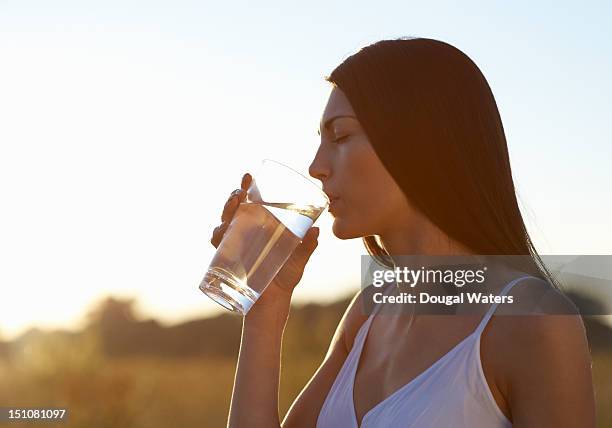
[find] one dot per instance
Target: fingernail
(245, 177)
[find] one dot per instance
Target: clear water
(256, 245)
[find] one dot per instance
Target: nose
(319, 167)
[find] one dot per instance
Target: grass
(165, 392)
(180, 392)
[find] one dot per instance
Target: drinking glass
(280, 206)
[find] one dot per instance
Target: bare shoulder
(541, 322)
(540, 360)
(355, 315)
(533, 338)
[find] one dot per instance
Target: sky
(124, 126)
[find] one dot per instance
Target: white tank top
(452, 392)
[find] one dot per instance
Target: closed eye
(339, 139)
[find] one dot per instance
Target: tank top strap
(377, 306)
(491, 310)
(365, 327)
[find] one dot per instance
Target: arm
(305, 410)
(255, 396)
(254, 400)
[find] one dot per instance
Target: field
(102, 387)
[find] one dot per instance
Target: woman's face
(365, 198)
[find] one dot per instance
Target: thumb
(309, 244)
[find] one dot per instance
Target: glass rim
(263, 161)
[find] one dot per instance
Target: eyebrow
(329, 121)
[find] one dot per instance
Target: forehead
(337, 104)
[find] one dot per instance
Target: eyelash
(337, 140)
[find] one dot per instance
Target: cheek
(370, 193)
(365, 212)
(376, 207)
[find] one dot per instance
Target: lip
(333, 202)
(330, 195)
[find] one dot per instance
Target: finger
(246, 186)
(308, 244)
(231, 205)
(218, 234)
(249, 184)
(312, 234)
(246, 181)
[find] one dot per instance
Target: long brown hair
(433, 121)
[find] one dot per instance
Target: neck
(420, 237)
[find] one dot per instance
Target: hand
(277, 296)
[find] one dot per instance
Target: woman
(414, 159)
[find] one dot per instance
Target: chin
(344, 230)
